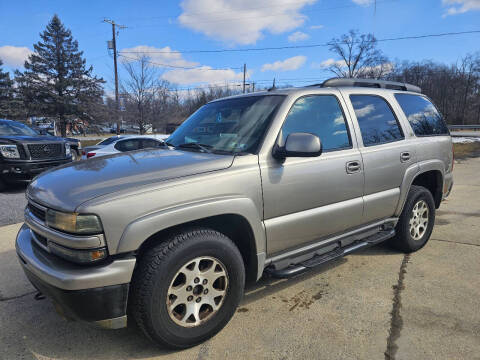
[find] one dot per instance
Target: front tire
(76, 156)
(187, 288)
(416, 222)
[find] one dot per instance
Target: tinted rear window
(422, 115)
(110, 140)
(377, 122)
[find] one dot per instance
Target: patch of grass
(89, 142)
(463, 151)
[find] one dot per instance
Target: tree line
(57, 84)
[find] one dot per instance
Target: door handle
(353, 167)
(404, 156)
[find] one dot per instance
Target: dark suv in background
(24, 153)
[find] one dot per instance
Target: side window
(128, 145)
(422, 115)
(320, 115)
(150, 143)
(377, 122)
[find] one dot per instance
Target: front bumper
(23, 171)
(95, 294)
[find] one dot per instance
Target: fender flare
(138, 231)
(413, 172)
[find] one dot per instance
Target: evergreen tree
(6, 93)
(56, 81)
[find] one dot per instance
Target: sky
(174, 34)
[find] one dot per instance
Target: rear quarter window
(422, 115)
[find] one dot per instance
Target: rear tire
(198, 272)
(416, 221)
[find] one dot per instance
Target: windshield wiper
(203, 147)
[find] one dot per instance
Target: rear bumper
(23, 171)
(447, 184)
(94, 293)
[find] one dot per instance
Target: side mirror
(299, 145)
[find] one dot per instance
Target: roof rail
(381, 84)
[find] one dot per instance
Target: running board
(329, 256)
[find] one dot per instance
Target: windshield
(13, 128)
(110, 140)
(232, 125)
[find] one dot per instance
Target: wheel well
(431, 180)
(235, 227)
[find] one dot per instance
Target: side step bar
(332, 255)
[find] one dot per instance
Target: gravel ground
(12, 204)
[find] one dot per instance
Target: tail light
(91, 154)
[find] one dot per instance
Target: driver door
(307, 199)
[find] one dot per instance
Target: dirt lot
(376, 304)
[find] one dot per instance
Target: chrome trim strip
(71, 241)
(312, 247)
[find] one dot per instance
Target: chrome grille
(45, 151)
(37, 212)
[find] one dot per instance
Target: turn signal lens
(78, 256)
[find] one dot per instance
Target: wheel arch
(429, 174)
(236, 218)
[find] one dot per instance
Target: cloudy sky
(179, 36)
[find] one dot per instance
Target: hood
(30, 139)
(68, 186)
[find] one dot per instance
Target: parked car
(101, 144)
(24, 153)
(278, 181)
(123, 143)
(75, 144)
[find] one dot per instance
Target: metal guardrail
(464, 127)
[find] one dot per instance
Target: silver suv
(277, 181)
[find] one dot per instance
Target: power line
(413, 37)
(202, 68)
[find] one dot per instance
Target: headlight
(78, 256)
(9, 151)
(74, 223)
(68, 151)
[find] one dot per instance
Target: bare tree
(139, 89)
(359, 56)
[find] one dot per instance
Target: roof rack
(380, 84)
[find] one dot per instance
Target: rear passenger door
(385, 151)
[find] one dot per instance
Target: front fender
(143, 228)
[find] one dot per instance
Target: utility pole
(244, 74)
(114, 48)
